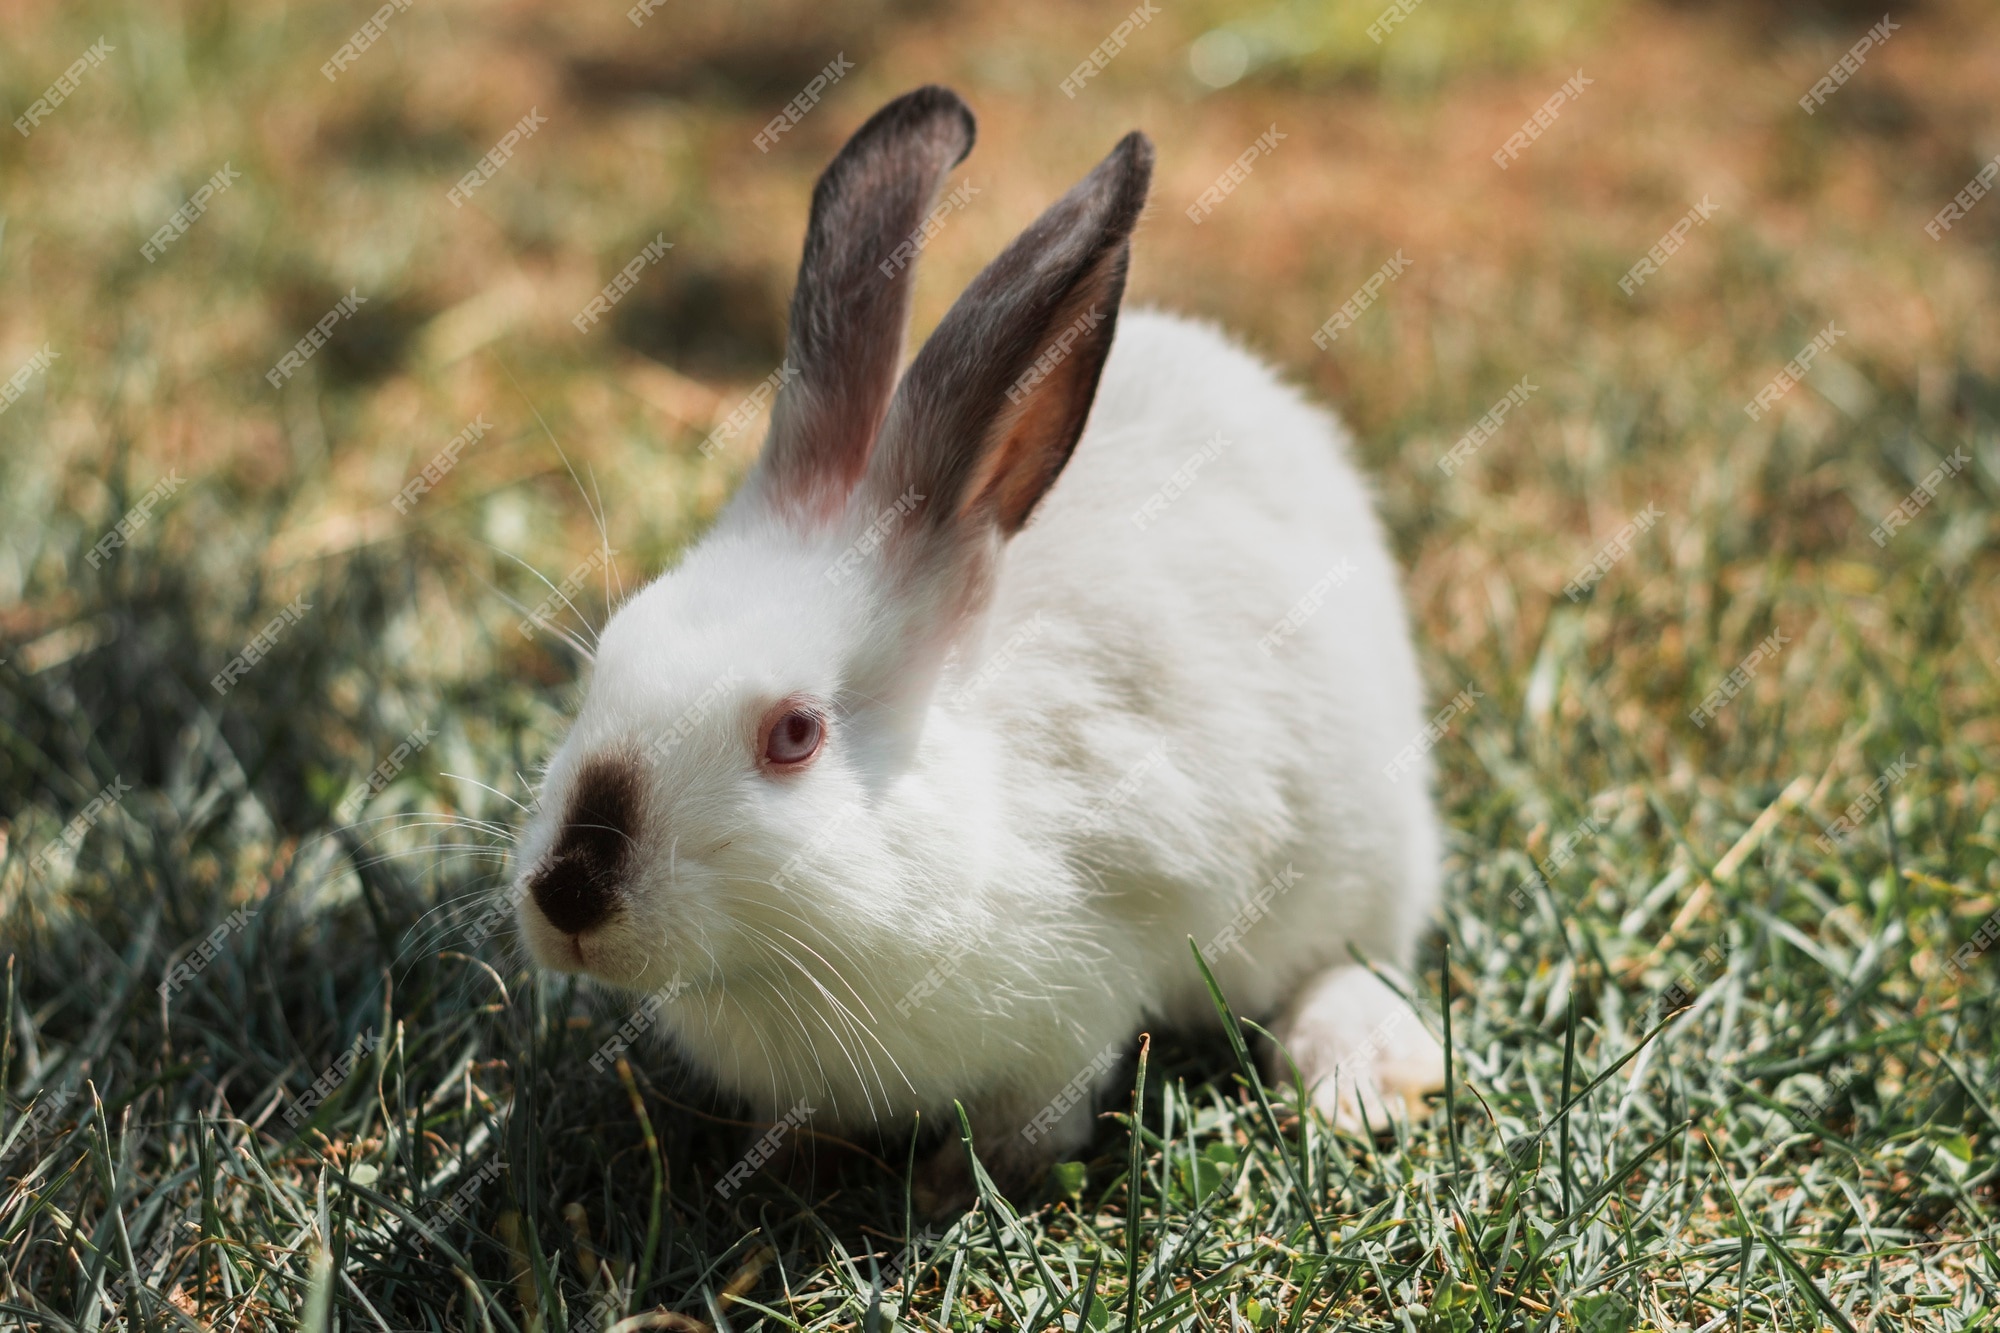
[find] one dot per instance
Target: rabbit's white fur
(983, 916)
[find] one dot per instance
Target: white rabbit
(911, 782)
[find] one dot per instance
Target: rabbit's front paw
(1015, 1163)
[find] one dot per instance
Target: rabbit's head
(714, 808)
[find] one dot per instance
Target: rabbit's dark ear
(852, 303)
(993, 405)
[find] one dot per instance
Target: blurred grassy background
(1837, 959)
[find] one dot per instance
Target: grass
(1709, 1072)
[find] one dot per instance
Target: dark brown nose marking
(578, 886)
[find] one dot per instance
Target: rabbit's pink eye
(794, 737)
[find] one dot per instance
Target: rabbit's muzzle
(577, 885)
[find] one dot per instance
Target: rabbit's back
(1200, 669)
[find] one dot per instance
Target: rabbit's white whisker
(588, 652)
(460, 777)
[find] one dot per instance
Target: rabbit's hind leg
(1362, 1052)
